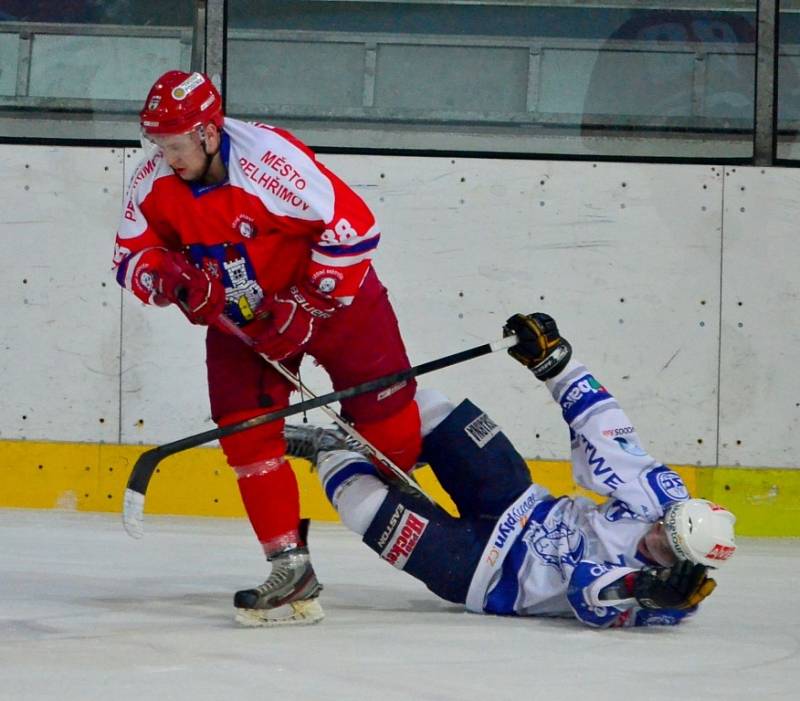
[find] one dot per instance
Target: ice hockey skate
(307, 442)
(289, 596)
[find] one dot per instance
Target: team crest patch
(146, 280)
(155, 101)
(327, 280)
(672, 485)
(481, 430)
(246, 226)
(327, 285)
(549, 545)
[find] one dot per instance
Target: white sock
(434, 407)
(358, 496)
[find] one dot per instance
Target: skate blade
(302, 613)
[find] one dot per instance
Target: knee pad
(255, 444)
(397, 436)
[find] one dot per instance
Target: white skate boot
(288, 596)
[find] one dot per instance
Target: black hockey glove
(682, 586)
(540, 348)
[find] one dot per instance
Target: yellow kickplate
(198, 482)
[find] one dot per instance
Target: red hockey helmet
(178, 102)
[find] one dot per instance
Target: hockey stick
(225, 323)
(146, 464)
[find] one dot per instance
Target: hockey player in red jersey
(224, 217)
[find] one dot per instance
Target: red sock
(272, 501)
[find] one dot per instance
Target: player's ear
(212, 133)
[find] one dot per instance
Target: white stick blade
(133, 513)
(503, 343)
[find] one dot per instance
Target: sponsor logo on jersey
(273, 183)
(283, 168)
(393, 520)
(598, 464)
(130, 211)
(619, 431)
(481, 430)
(144, 170)
(630, 447)
(406, 537)
(672, 485)
(720, 552)
(514, 520)
(245, 225)
(587, 385)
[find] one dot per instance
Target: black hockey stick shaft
(148, 461)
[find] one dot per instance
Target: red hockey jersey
(280, 217)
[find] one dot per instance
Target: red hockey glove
(293, 315)
(198, 295)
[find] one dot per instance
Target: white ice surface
(88, 613)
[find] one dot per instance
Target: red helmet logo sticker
(179, 92)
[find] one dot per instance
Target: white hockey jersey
(552, 556)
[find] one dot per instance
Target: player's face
(654, 545)
(184, 153)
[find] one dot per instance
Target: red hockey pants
(358, 343)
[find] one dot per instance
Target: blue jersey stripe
(503, 596)
(122, 271)
(360, 247)
(580, 396)
(346, 472)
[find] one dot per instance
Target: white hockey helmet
(700, 531)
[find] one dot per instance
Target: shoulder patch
(481, 430)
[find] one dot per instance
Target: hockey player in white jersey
(639, 558)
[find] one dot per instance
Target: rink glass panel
(788, 97)
(635, 79)
(81, 70)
